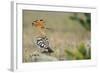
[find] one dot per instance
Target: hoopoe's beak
(32, 24)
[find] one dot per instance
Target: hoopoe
(42, 41)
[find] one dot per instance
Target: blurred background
(69, 35)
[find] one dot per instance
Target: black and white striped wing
(42, 43)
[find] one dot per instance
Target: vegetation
(81, 52)
(85, 23)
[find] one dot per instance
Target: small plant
(81, 52)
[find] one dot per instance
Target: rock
(38, 57)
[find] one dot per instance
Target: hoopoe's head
(38, 23)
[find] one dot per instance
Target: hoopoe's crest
(39, 24)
